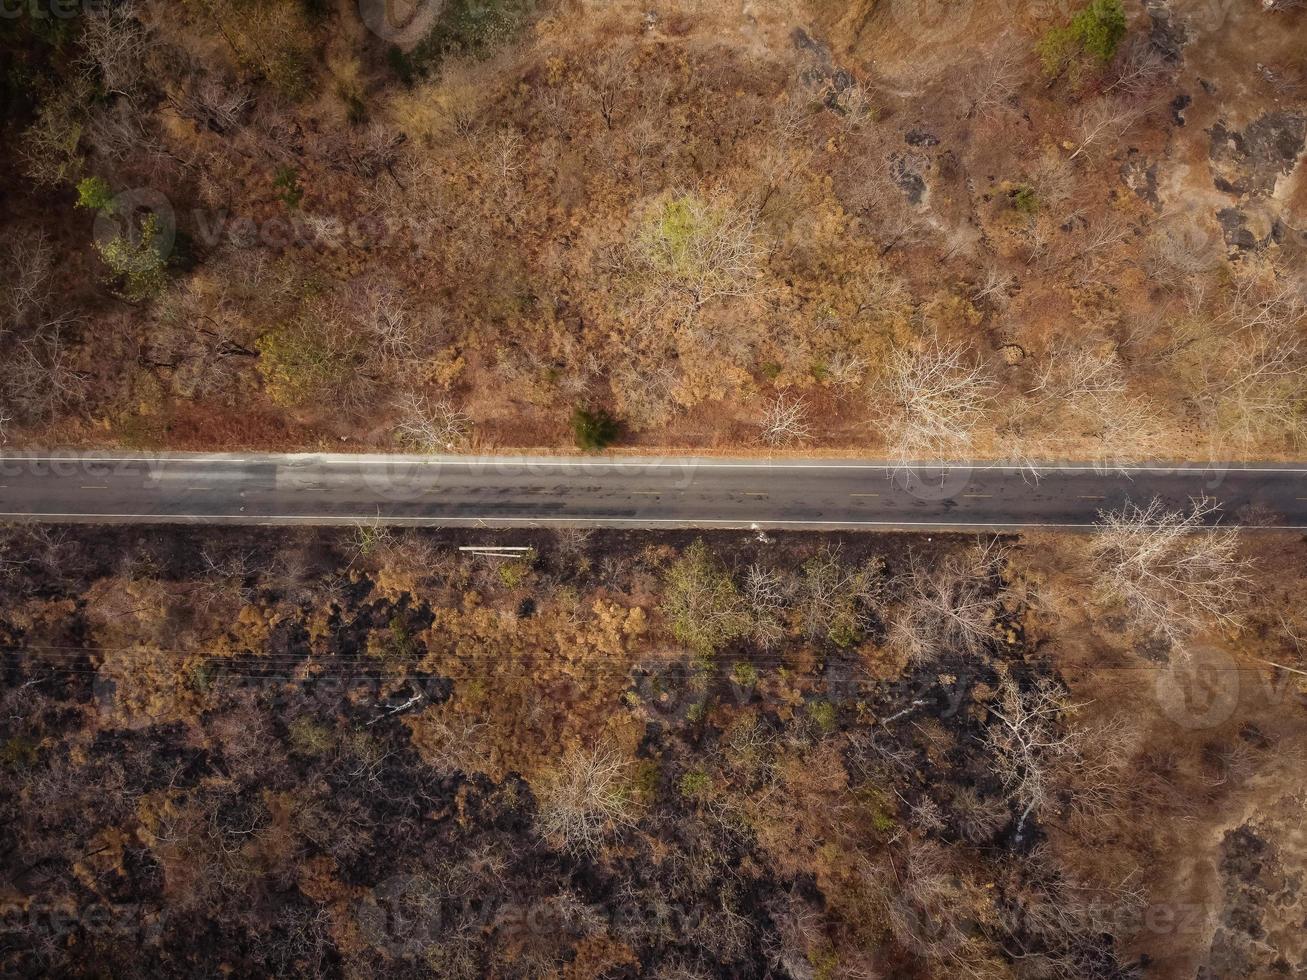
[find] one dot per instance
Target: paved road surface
(630, 492)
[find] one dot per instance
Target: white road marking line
(288, 461)
(646, 493)
(977, 495)
(1089, 496)
(123, 459)
(96, 488)
(864, 495)
(329, 519)
(198, 489)
(753, 493)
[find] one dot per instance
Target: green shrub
(745, 674)
(695, 784)
(701, 601)
(594, 430)
(822, 714)
(512, 573)
(299, 366)
(1094, 33)
(96, 194)
(308, 737)
(1023, 199)
(137, 264)
(289, 190)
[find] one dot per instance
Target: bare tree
(951, 605)
(214, 103)
(609, 80)
(920, 894)
(41, 378)
(584, 799)
(389, 320)
(994, 286)
(1104, 121)
(115, 44)
(834, 598)
(1086, 382)
(1139, 68)
(1253, 387)
(785, 421)
(1171, 570)
(1030, 740)
(989, 88)
(767, 594)
(1058, 926)
(223, 582)
(938, 395)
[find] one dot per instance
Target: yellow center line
(753, 493)
(864, 495)
(977, 495)
(95, 488)
(647, 493)
(1089, 496)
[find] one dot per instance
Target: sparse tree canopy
(1171, 569)
(584, 798)
(937, 395)
(428, 426)
(702, 247)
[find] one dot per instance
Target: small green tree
(594, 430)
(136, 262)
(96, 194)
(289, 189)
(701, 601)
(1093, 34)
(703, 248)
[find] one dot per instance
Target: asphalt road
(616, 491)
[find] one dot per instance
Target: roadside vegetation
(361, 753)
(1049, 231)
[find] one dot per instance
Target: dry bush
(428, 426)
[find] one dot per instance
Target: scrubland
(891, 229)
(363, 753)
